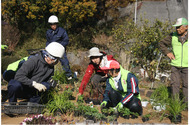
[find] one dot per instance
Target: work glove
(103, 104)
(4, 46)
(40, 87)
(119, 106)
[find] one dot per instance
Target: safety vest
(124, 75)
(14, 66)
(180, 52)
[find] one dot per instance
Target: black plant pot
(176, 119)
(144, 119)
(126, 116)
(134, 116)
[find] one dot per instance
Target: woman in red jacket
(97, 60)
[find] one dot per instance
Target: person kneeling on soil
(121, 89)
(35, 75)
(98, 59)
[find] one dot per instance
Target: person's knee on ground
(14, 87)
(115, 97)
(135, 106)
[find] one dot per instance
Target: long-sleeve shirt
(90, 70)
(59, 35)
(34, 69)
(132, 88)
(167, 42)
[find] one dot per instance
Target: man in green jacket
(178, 41)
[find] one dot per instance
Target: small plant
(105, 111)
(175, 107)
(111, 119)
(59, 75)
(134, 115)
(145, 117)
(80, 99)
(160, 96)
(125, 112)
(39, 119)
(59, 103)
(98, 116)
(111, 111)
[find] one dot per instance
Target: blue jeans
(18, 90)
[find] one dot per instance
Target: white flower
(23, 123)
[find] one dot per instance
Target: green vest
(180, 52)
(124, 74)
(14, 66)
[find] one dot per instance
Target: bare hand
(79, 94)
(171, 56)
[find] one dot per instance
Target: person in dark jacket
(97, 60)
(121, 89)
(58, 34)
(34, 76)
(178, 55)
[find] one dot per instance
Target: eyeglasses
(52, 57)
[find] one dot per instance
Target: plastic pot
(144, 103)
(144, 119)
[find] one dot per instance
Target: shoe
(70, 78)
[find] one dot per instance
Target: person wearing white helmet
(59, 34)
(35, 75)
(95, 74)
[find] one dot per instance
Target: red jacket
(90, 70)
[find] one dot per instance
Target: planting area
(65, 110)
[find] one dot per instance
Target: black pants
(134, 105)
(97, 86)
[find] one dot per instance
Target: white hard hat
(94, 51)
(53, 19)
(55, 49)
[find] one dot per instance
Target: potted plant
(145, 117)
(175, 107)
(159, 98)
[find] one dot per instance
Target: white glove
(39, 86)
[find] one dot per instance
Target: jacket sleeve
(86, 78)
(132, 88)
(165, 43)
(47, 38)
(107, 90)
(23, 74)
(65, 39)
